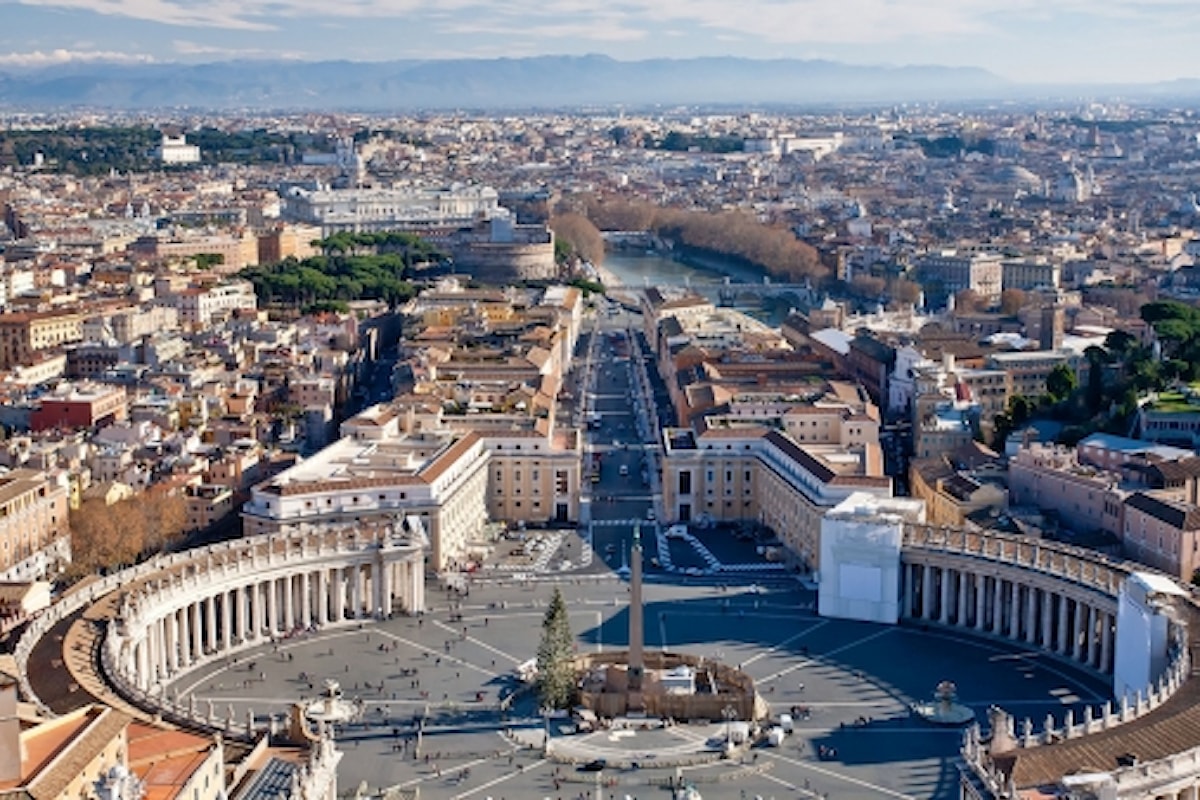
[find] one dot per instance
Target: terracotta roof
(432, 471)
(70, 762)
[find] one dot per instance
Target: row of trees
(106, 537)
(411, 247)
(576, 237)
(304, 283)
(729, 234)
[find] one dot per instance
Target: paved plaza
(452, 666)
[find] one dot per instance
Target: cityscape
(696, 450)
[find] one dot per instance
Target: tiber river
(637, 270)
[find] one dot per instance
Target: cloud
(46, 58)
(185, 47)
(909, 23)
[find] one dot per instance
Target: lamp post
(729, 713)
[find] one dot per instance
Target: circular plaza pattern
(431, 686)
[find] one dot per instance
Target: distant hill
(516, 83)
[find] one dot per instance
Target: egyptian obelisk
(636, 658)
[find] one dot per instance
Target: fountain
(945, 708)
(331, 707)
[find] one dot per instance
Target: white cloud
(46, 58)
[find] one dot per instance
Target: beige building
(1026, 275)
(25, 335)
(1028, 370)
(198, 306)
(393, 467)
(951, 496)
(34, 534)
(1051, 478)
(763, 475)
(236, 251)
(1162, 533)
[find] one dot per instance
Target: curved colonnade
(176, 612)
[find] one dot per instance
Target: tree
(905, 291)
(1012, 301)
(579, 232)
(1061, 382)
(867, 286)
(968, 300)
(556, 670)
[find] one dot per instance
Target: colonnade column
(1090, 638)
(926, 591)
(1031, 594)
(272, 587)
(210, 629)
(961, 577)
(1078, 643)
(1106, 633)
(1062, 625)
(305, 601)
(415, 570)
(322, 596)
(197, 633)
(173, 641)
(980, 584)
(1014, 610)
(385, 589)
(997, 605)
(944, 611)
(1047, 619)
(226, 621)
(289, 603)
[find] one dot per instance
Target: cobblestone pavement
(856, 681)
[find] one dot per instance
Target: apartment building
(23, 336)
(199, 306)
(35, 538)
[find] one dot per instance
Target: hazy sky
(1024, 40)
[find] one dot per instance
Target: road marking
(831, 774)
(440, 654)
(786, 641)
(833, 652)
(501, 779)
(482, 644)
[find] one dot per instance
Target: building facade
(35, 535)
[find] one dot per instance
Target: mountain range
(541, 82)
(514, 83)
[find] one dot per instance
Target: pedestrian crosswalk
(619, 523)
